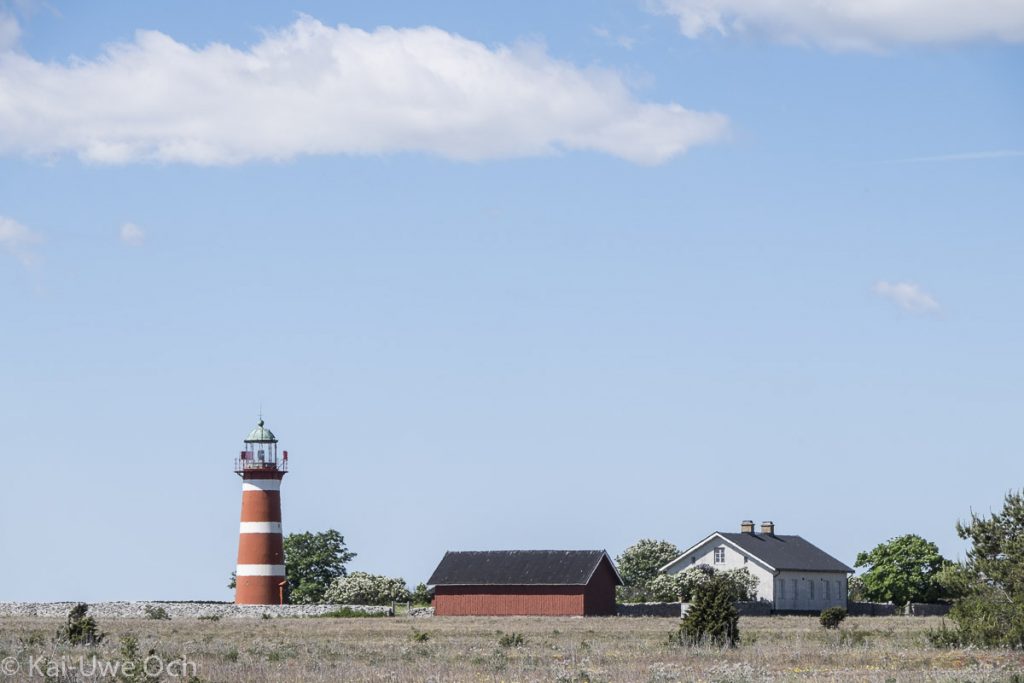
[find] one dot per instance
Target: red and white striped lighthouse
(260, 577)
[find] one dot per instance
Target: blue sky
(529, 275)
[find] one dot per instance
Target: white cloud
(18, 241)
(316, 89)
(132, 235)
(853, 24)
(10, 31)
(908, 296)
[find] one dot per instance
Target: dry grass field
(553, 649)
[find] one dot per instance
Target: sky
(502, 275)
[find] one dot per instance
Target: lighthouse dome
(261, 434)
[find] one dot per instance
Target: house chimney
(747, 526)
(768, 528)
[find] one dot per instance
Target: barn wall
(599, 594)
(548, 601)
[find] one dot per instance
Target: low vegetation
(619, 649)
(348, 612)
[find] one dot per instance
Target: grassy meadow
(488, 649)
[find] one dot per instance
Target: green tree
(997, 545)
(712, 617)
(312, 563)
(902, 570)
(639, 564)
(989, 586)
(421, 596)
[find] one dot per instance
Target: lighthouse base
(259, 590)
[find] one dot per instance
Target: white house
(792, 574)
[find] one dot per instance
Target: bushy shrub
(986, 617)
(361, 588)
(80, 628)
(512, 639)
(132, 662)
(831, 617)
(712, 618)
(157, 613)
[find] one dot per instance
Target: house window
(828, 591)
(810, 587)
(719, 555)
(795, 594)
(782, 589)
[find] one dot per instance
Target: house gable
(703, 547)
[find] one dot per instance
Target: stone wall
(754, 608)
(179, 610)
(870, 609)
(924, 609)
(650, 609)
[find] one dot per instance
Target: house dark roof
(787, 552)
(519, 568)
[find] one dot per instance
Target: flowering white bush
(667, 587)
(360, 588)
(687, 583)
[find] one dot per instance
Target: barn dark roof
(786, 552)
(519, 568)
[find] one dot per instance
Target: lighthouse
(260, 576)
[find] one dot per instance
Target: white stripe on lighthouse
(261, 484)
(260, 528)
(260, 570)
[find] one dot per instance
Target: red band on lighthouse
(260, 569)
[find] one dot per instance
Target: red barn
(525, 582)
